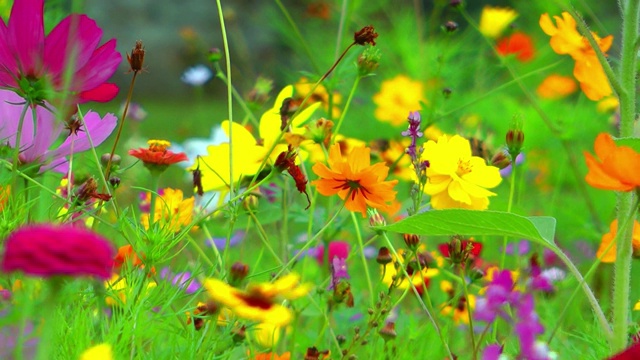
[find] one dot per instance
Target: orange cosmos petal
(599, 178)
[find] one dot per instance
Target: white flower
(197, 75)
(198, 146)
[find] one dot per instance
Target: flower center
(158, 145)
(256, 299)
(464, 167)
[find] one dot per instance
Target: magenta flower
(38, 137)
(31, 63)
(50, 250)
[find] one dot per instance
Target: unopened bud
(375, 219)
(250, 202)
(136, 58)
(239, 334)
(115, 160)
(515, 137)
(215, 55)
(114, 181)
(384, 256)
(450, 26)
(411, 240)
(447, 92)
(501, 160)
(238, 272)
(455, 3)
(388, 332)
(369, 61)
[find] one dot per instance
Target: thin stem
(415, 291)
(155, 184)
(16, 150)
(107, 170)
(512, 191)
(364, 259)
(298, 34)
(243, 104)
(622, 270)
(465, 288)
(343, 18)
(346, 107)
(227, 58)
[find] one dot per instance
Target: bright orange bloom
(519, 44)
(556, 87)
(272, 356)
(610, 256)
(126, 253)
(565, 39)
(616, 167)
(157, 154)
(355, 180)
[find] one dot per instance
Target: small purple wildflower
(507, 170)
(492, 352)
(221, 242)
(414, 133)
(183, 280)
(528, 328)
(522, 248)
(500, 292)
(135, 112)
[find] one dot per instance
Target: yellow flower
(565, 39)
(390, 271)
(608, 105)
(249, 152)
(460, 312)
(396, 98)
(556, 87)
(258, 301)
(320, 94)
(456, 178)
(636, 307)
(119, 287)
(172, 211)
(98, 352)
(267, 334)
(494, 20)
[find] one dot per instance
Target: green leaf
(477, 223)
(631, 142)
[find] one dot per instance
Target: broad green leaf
(477, 223)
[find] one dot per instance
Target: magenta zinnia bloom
(49, 250)
(39, 136)
(31, 62)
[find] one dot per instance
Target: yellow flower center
(158, 145)
(464, 167)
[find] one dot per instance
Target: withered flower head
(366, 35)
(74, 125)
(314, 354)
(388, 331)
(384, 256)
(136, 59)
(286, 161)
(89, 190)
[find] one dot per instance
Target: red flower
(518, 44)
(49, 250)
(157, 154)
(31, 62)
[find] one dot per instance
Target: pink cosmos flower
(31, 63)
(39, 136)
(50, 250)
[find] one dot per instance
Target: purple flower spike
(183, 280)
(48, 250)
(522, 248)
(414, 133)
(492, 352)
(338, 271)
(221, 242)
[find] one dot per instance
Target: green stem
(415, 291)
(107, 170)
(364, 259)
(220, 75)
(465, 288)
(512, 191)
(622, 271)
(346, 107)
(298, 34)
(227, 58)
(16, 150)
(155, 185)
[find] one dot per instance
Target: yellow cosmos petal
(458, 193)
(98, 352)
(494, 20)
(277, 315)
(483, 175)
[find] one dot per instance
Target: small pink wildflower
(49, 250)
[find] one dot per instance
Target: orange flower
(157, 154)
(610, 256)
(556, 87)
(616, 167)
(518, 44)
(355, 180)
(272, 356)
(565, 39)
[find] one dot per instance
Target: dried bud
(447, 92)
(239, 334)
(455, 3)
(366, 35)
(388, 332)
(197, 181)
(314, 354)
(341, 339)
(85, 192)
(259, 94)
(369, 61)
(214, 55)
(136, 59)
(384, 256)
(411, 240)
(501, 160)
(239, 272)
(450, 26)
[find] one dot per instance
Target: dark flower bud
(114, 181)
(411, 240)
(501, 160)
(239, 334)
(515, 137)
(136, 58)
(366, 35)
(447, 92)
(238, 272)
(388, 331)
(375, 219)
(450, 26)
(115, 160)
(455, 3)
(384, 256)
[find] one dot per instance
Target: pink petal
(9, 68)
(103, 93)
(103, 63)
(26, 34)
(75, 35)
